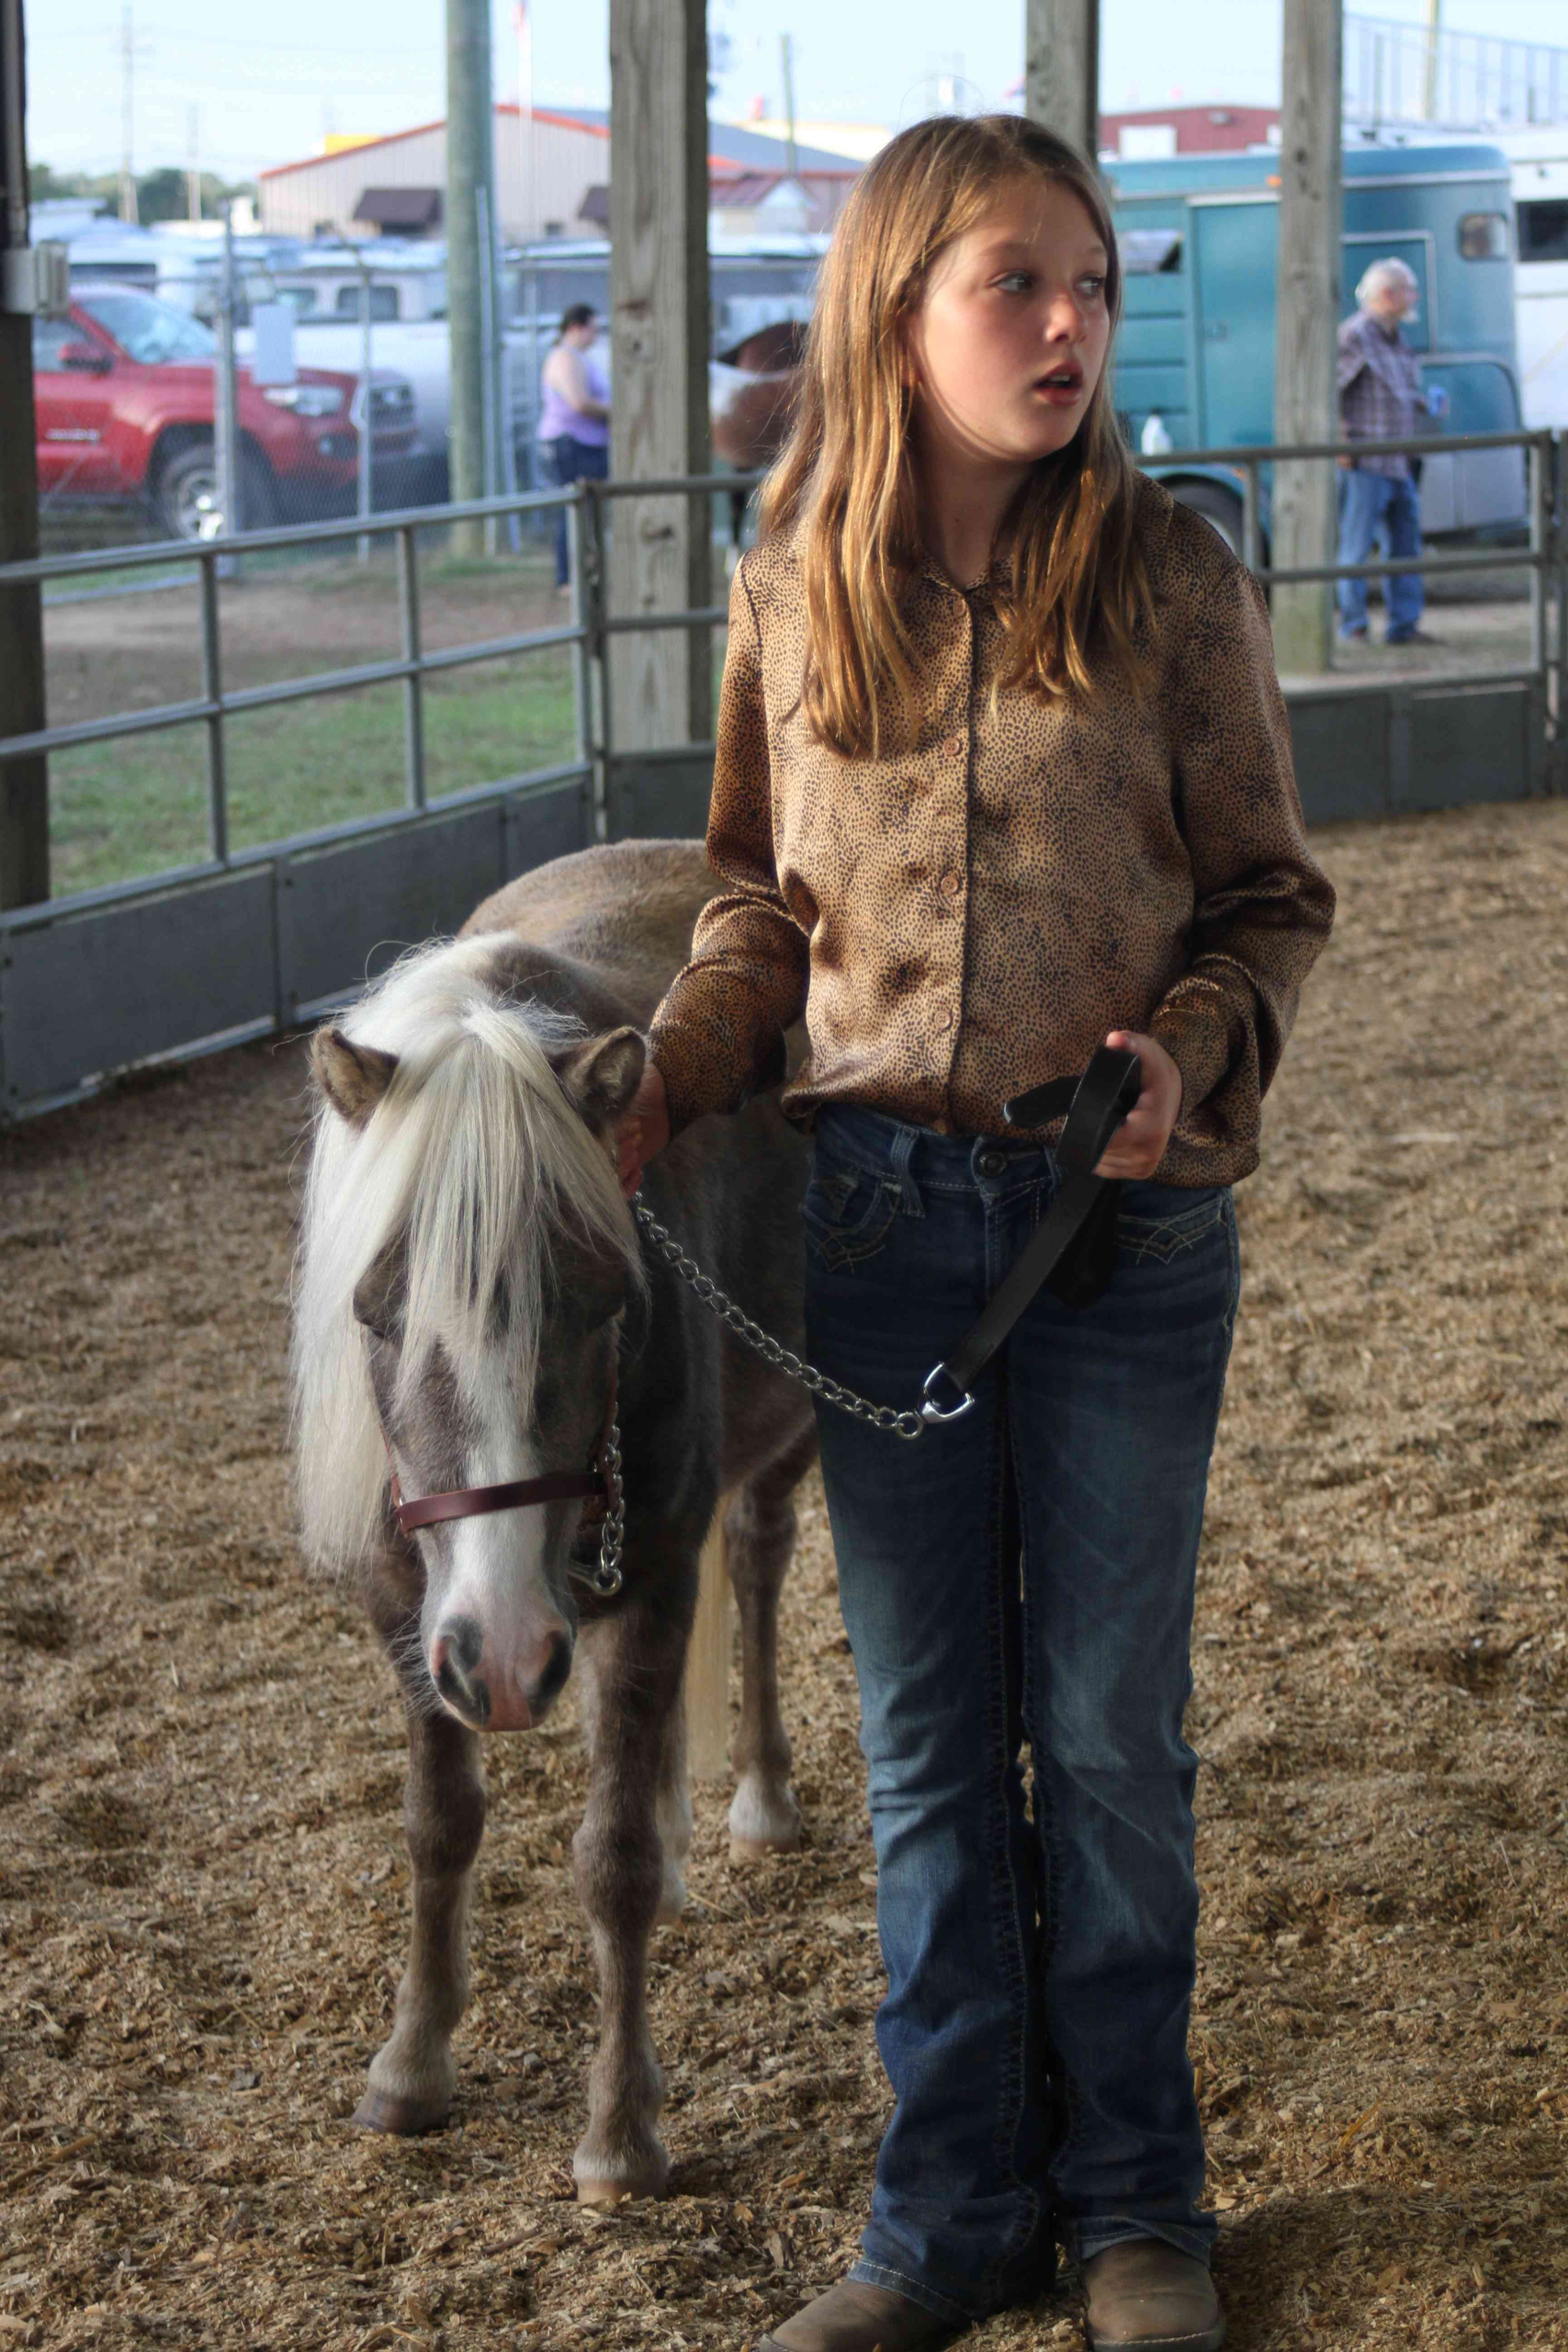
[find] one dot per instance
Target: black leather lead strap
(1097, 1105)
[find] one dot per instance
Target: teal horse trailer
(1196, 350)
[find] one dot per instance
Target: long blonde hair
(846, 483)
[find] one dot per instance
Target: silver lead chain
(772, 1351)
(607, 1577)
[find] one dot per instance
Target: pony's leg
(413, 2076)
(634, 1659)
(673, 1811)
(760, 1528)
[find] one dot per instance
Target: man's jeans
(1026, 1573)
(1366, 503)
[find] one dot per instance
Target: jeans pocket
(1160, 1221)
(847, 1211)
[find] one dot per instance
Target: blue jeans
(1025, 1574)
(572, 460)
(1368, 502)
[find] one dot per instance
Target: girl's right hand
(643, 1129)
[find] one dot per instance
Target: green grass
(122, 809)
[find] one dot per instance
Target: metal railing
(589, 629)
(250, 941)
(592, 627)
(1542, 555)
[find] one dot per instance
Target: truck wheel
(189, 501)
(1221, 509)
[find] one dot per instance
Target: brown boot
(853, 2318)
(1143, 2296)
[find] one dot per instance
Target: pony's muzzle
(488, 1692)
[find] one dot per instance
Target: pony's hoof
(761, 1849)
(644, 2173)
(403, 2117)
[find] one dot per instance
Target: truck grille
(391, 404)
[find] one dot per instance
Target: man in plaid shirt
(1381, 399)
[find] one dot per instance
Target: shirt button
(944, 1020)
(952, 746)
(951, 884)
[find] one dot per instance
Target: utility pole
(470, 175)
(662, 689)
(1306, 404)
(127, 114)
(1434, 27)
(786, 54)
(24, 784)
(1061, 69)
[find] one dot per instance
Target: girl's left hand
(1139, 1144)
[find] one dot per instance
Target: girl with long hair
(1003, 773)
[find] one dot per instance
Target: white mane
(474, 1157)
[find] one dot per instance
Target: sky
(262, 87)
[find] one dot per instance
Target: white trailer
(1539, 165)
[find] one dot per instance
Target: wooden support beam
(1061, 69)
(24, 784)
(662, 689)
(1306, 405)
(470, 189)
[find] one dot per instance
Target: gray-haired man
(1381, 399)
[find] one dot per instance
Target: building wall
(1200, 131)
(567, 161)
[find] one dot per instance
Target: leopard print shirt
(965, 919)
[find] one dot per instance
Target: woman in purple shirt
(574, 419)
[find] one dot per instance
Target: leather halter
(515, 1494)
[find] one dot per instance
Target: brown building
(1186, 130)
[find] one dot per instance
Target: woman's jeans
(572, 460)
(1369, 503)
(1025, 1574)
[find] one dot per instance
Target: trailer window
(383, 303)
(1150, 253)
(1483, 236)
(1543, 229)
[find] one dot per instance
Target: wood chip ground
(202, 1882)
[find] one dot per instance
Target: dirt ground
(202, 1882)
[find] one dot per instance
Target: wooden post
(470, 174)
(1061, 69)
(661, 692)
(24, 784)
(1306, 405)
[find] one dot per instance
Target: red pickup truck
(124, 388)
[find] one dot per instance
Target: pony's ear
(601, 1077)
(353, 1078)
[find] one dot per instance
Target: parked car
(125, 387)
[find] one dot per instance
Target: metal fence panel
(1473, 745)
(661, 796)
(1340, 744)
(347, 909)
(118, 984)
